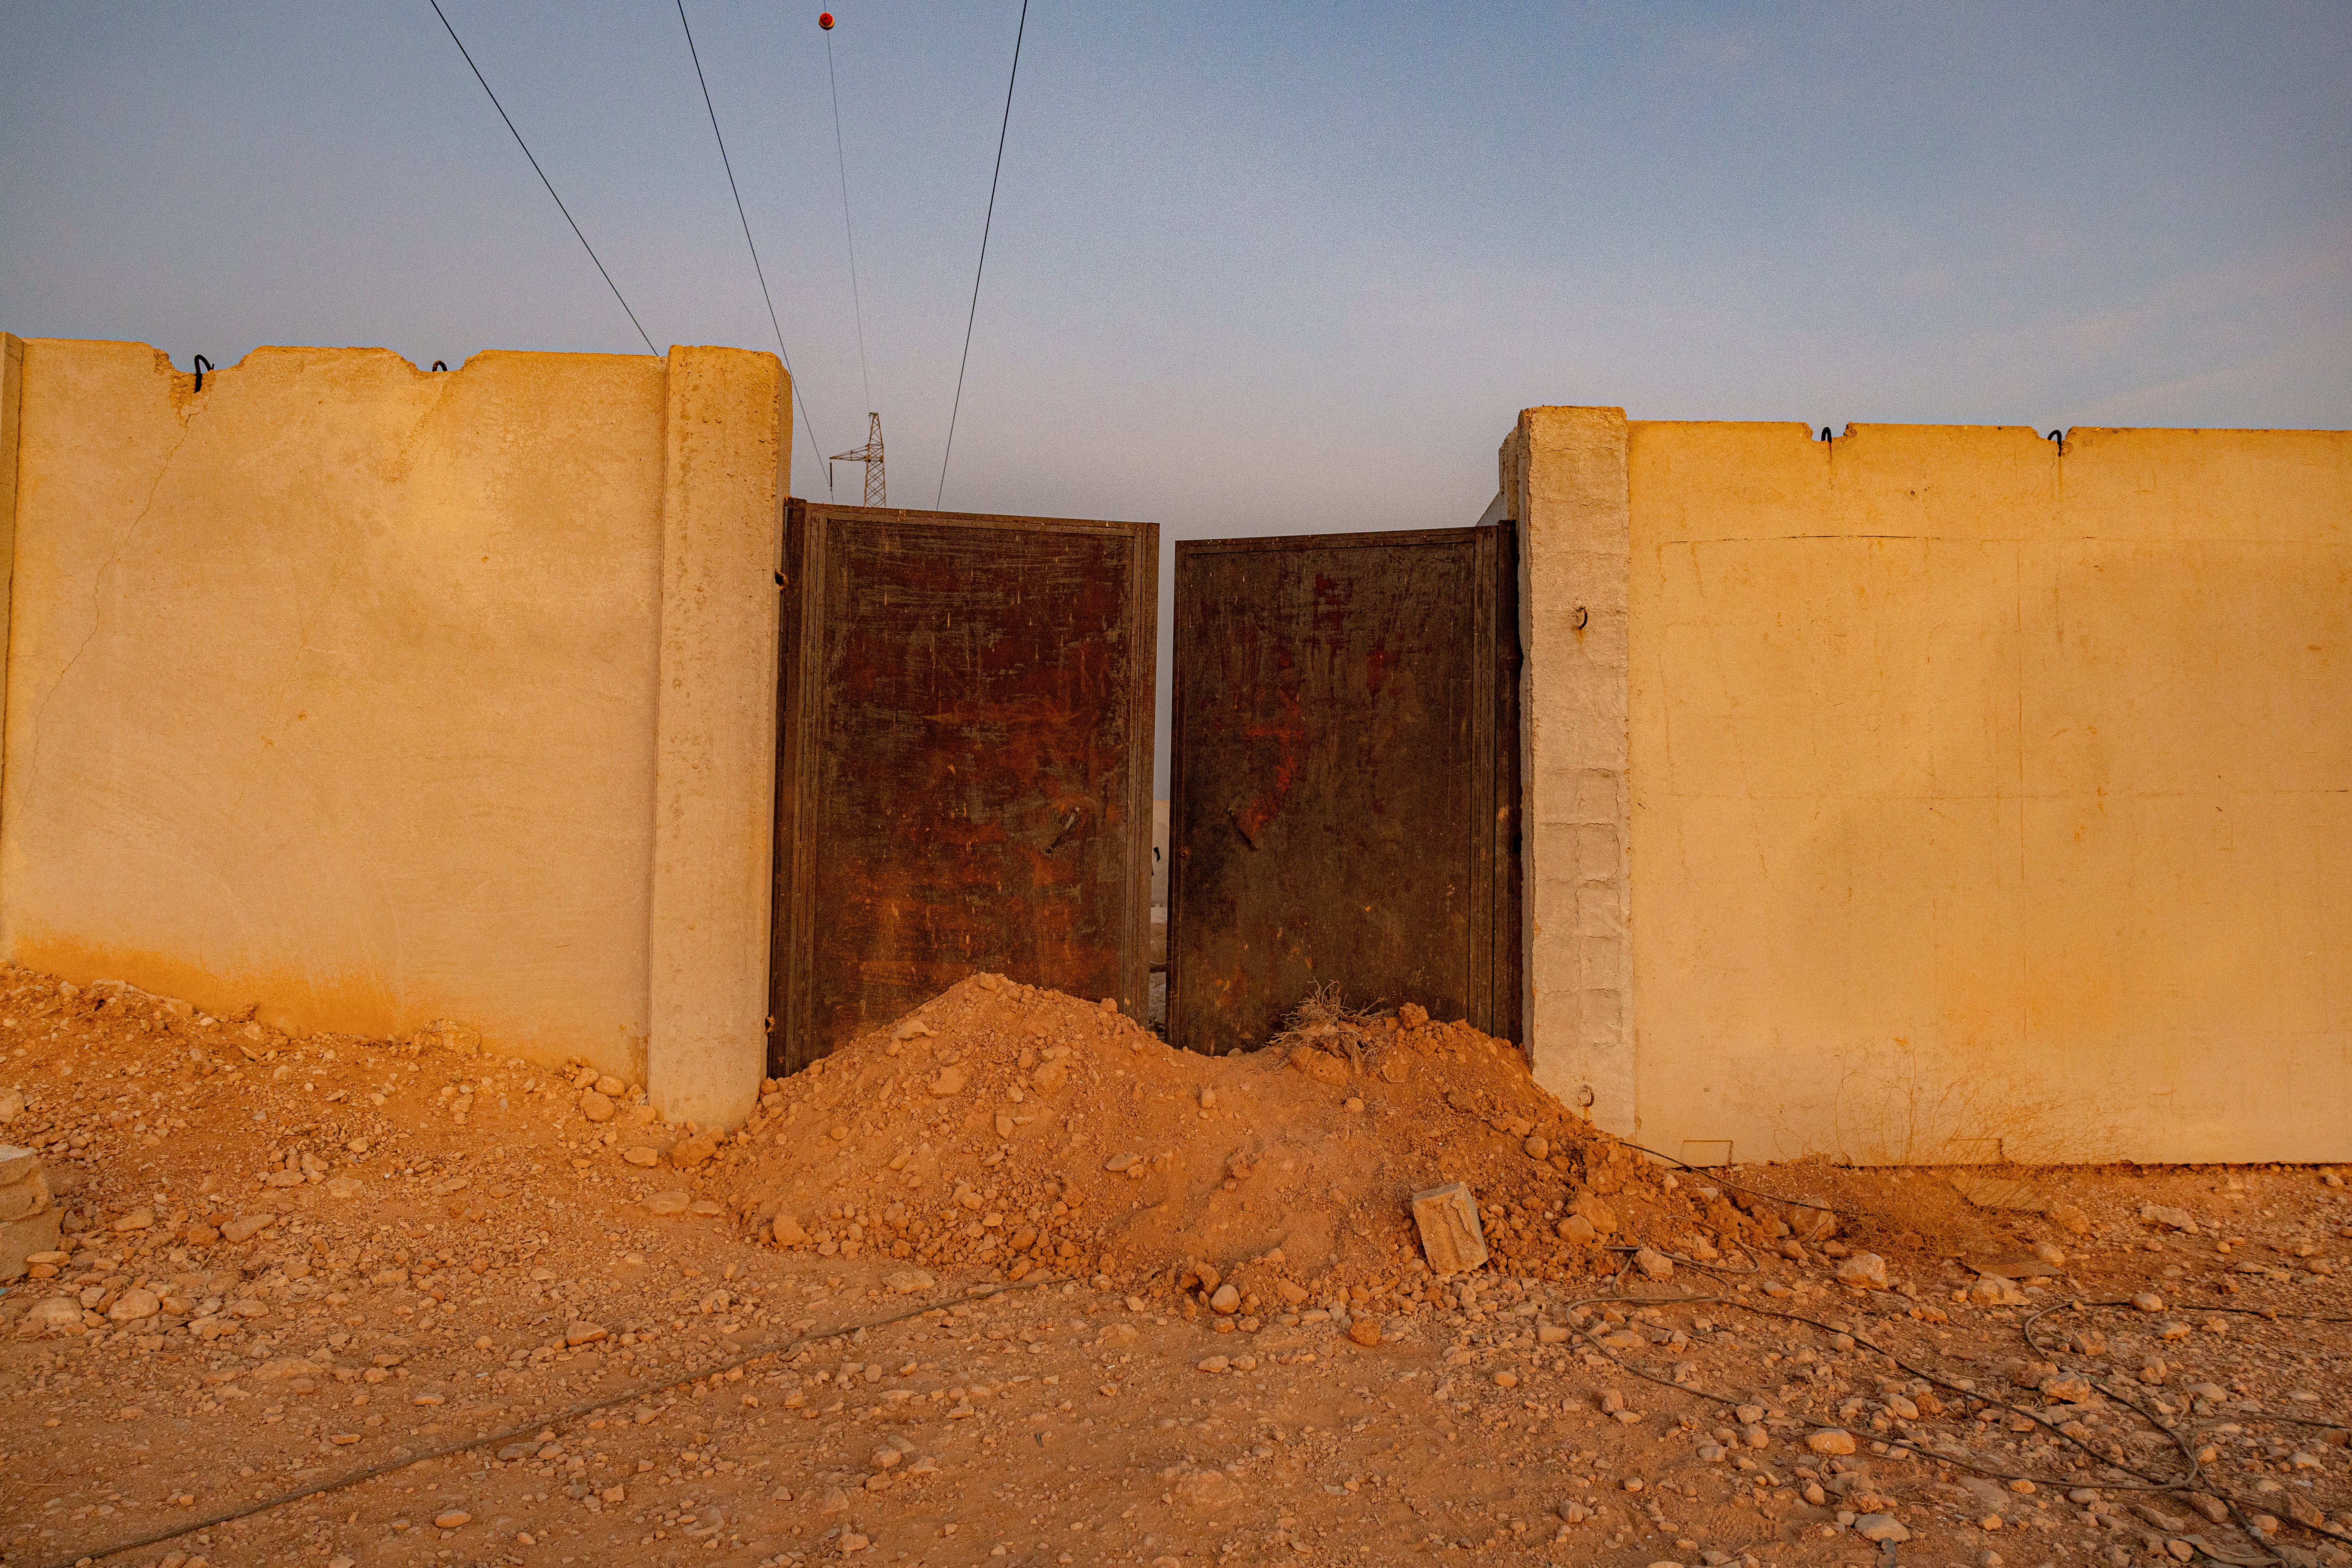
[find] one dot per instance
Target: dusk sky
(1255, 269)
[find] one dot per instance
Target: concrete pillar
(1565, 480)
(727, 473)
(12, 408)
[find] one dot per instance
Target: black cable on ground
(1706, 1172)
(807, 424)
(985, 225)
(773, 1347)
(2145, 1482)
(544, 180)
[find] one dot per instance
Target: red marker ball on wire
(825, 20)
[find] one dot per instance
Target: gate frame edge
(1566, 469)
(727, 460)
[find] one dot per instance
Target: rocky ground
(1013, 1282)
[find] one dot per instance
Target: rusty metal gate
(1344, 789)
(963, 774)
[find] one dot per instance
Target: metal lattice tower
(878, 488)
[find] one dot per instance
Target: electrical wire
(841, 160)
(544, 180)
(808, 426)
(985, 225)
(490, 1439)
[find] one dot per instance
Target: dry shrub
(1323, 1022)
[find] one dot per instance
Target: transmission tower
(878, 489)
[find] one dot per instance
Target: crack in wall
(99, 580)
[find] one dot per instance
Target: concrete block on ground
(1451, 1236)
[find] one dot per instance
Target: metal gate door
(1343, 800)
(964, 771)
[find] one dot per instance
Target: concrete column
(1570, 494)
(727, 473)
(12, 410)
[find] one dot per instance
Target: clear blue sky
(1255, 268)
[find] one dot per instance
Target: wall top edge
(315, 352)
(1813, 433)
(1798, 430)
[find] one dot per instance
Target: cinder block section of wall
(374, 696)
(1565, 480)
(727, 456)
(1991, 798)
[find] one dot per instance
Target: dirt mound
(1012, 1127)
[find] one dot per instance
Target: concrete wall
(1984, 797)
(378, 696)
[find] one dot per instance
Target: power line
(841, 159)
(808, 426)
(985, 225)
(544, 180)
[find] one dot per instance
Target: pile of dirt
(1014, 1127)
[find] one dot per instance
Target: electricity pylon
(878, 489)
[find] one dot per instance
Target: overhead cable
(808, 426)
(842, 160)
(544, 180)
(985, 225)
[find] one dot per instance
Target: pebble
(596, 1107)
(56, 1312)
(669, 1202)
(1654, 1264)
(133, 1305)
(1537, 1147)
(1214, 1363)
(1361, 1330)
(1880, 1527)
(950, 1081)
(2148, 1301)
(2175, 1219)
(1506, 1380)
(1829, 1440)
(1228, 1300)
(454, 1519)
(1863, 1271)
(611, 1087)
(641, 1155)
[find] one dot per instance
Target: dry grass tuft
(1322, 1021)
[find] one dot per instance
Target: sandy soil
(925, 1310)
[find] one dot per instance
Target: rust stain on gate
(964, 768)
(1343, 802)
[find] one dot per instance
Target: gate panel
(964, 777)
(1343, 793)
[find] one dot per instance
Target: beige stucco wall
(339, 686)
(1986, 797)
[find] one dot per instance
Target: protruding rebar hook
(202, 365)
